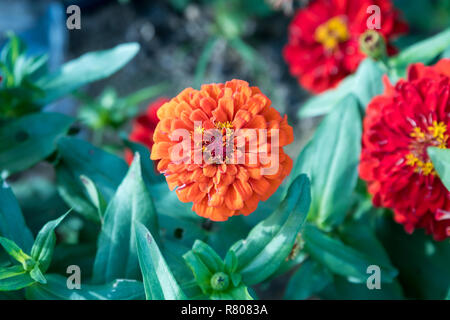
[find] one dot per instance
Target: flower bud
(29, 264)
(373, 45)
(220, 281)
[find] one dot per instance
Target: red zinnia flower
(222, 187)
(144, 127)
(399, 126)
(323, 39)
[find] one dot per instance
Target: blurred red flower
(144, 126)
(323, 39)
(399, 126)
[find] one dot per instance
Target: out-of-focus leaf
(167, 202)
(309, 279)
(223, 235)
(424, 51)
(89, 67)
(80, 254)
(28, 140)
(331, 160)
(422, 262)
(56, 289)
(116, 255)
(341, 289)
(359, 235)
(270, 242)
(44, 244)
(441, 162)
(79, 158)
(340, 258)
(446, 53)
(203, 61)
(364, 84)
(12, 223)
(325, 102)
(368, 81)
(39, 201)
(149, 172)
(159, 282)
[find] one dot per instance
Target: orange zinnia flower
(221, 186)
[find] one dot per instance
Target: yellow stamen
(332, 32)
(417, 133)
(427, 168)
(435, 136)
(224, 125)
(411, 159)
(437, 129)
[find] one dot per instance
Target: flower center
(435, 136)
(332, 32)
(220, 139)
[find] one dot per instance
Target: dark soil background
(171, 44)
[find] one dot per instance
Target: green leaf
(28, 140)
(208, 256)
(441, 162)
(89, 67)
(231, 262)
(308, 280)
(159, 282)
(12, 223)
(360, 236)
(341, 289)
(203, 61)
(14, 251)
(79, 158)
(116, 256)
(446, 53)
(368, 81)
(44, 244)
(331, 161)
(14, 278)
(338, 257)
(424, 51)
(37, 275)
(364, 84)
(149, 173)
(95, 196)
(325, 102)
(204, 263)
(270, 242)
(239, 293)
(423, 263)
(201, 272)
(56, 289)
